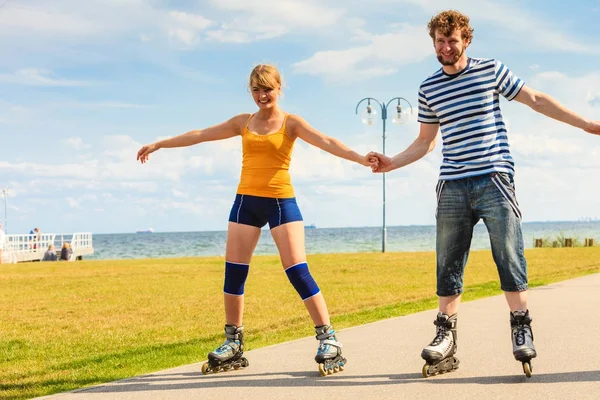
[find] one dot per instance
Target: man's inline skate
(329, 354)
(230, 354)
(439, 354)
(522, 339)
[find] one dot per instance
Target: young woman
(265, 195)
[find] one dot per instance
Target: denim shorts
(258, 211)
(461, 204)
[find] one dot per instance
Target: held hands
(379, 162)
(144, 153)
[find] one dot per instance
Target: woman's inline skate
(329, 354)
(230, 354)
(439, 354)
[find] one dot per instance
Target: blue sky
(84, 84)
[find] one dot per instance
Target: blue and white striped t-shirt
(467, 107)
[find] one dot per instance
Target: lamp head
(401, 116)
(369, 116)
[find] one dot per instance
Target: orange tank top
(266, 163)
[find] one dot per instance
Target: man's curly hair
(447, 22)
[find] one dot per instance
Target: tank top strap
(284, 125)
(246, 124)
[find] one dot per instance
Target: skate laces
(520, 324)
(519, 333)
(441, 333)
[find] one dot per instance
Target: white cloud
(187, 27)
(179, 194)
(84, 170)
(39, 77)
(206, 164)
(186, 36)
(141, 186)
(99, 20)
(311, 164)
(191, 21)
(580, 93)
(117, 163)
(74, 20)
(542, 145)
(95, 21)
(384, 55)
(77, 143)
(295, 13)
(16, 19)
(265, 19)
(73, 203)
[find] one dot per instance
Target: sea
(322, 240)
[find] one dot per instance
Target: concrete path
(384, 359)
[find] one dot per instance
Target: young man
(476, 178)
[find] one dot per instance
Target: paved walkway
(384, 362)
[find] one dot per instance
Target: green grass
(68, 325)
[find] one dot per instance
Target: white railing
(18, 244)
(81, 240)
(29, 247)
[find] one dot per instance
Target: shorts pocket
(438, 193)
(508, 191)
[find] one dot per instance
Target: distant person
(35, 236)
(476, 178)
(65, 252)
(2, 242)
(50, 254)
(265, 195)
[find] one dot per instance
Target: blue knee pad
(235, 278)
(302, 280)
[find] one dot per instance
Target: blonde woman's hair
(265, 76)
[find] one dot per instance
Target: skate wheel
(336, 368)
(322, 370)
(455, 362)
(236, 367)
(245, 362)
(527, 369)
(425, 371)
(205, 369)
(341, 367)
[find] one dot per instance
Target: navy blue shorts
(257, 211)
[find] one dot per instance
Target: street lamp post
(5, 194)
(368, 118)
